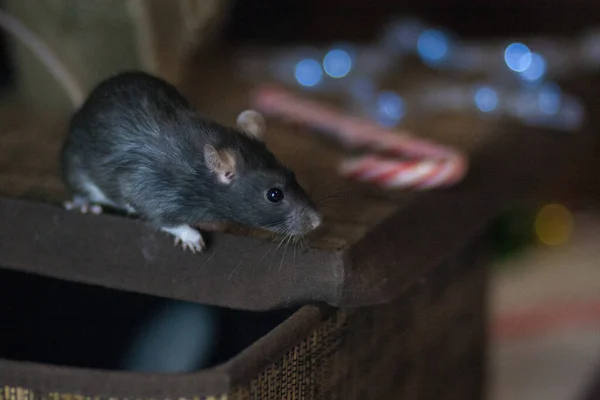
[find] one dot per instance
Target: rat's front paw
(188, 237)
(83, 206)
(195, 243)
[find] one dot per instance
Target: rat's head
(253, 186)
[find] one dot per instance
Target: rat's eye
(274, 195)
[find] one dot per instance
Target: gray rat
(137, 144)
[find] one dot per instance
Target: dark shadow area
(313, 21)
(57, 322)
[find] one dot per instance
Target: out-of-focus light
(402, 35)
(433, 46)
(391, 108)
(554, 224)
(446, 97)
(536, 69)
(308, 72)
(549, 99)
(572, 113)
(517, 57)
(362, 89)
(486, 99)
(337, 63)
(372, 61)
(177, 339)
(590, 47)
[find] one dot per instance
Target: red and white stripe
(416, 174)
(416, 163)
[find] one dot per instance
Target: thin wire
(13, 26)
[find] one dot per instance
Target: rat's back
(129, 107)
(130, 121)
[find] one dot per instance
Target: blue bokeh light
(391, 108)
(337, 63)
(486, 99)
(549, 99)
(536, 69)
(433, 46)
(308, 72)
(517, 57)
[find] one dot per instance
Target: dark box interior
(73, 324)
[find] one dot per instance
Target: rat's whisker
(298, 239)
(285, 251)
(337, 192)
(332, 196)
(293, 156)
(277, 227)
(330, 199)
(275, 252)
(304, 244)
(267, 251)
(280, 243)
(329, 202)
(294, 247)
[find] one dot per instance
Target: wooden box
(391, 291)
(400, 313)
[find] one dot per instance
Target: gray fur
(140, 143)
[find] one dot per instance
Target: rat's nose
(315, 220)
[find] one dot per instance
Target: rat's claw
(189, 238)
(190, 247)
(194, 247)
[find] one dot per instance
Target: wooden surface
(409, 234)
(402, 251)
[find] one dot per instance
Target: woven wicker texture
(18, 393)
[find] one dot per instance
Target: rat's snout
(310, 221)
(314, 220)
(304, 220)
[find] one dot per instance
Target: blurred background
(457, 72)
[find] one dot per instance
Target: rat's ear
(252, 123)
(220, 162)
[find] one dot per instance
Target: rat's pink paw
(189, 238)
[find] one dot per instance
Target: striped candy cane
(416, 163)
